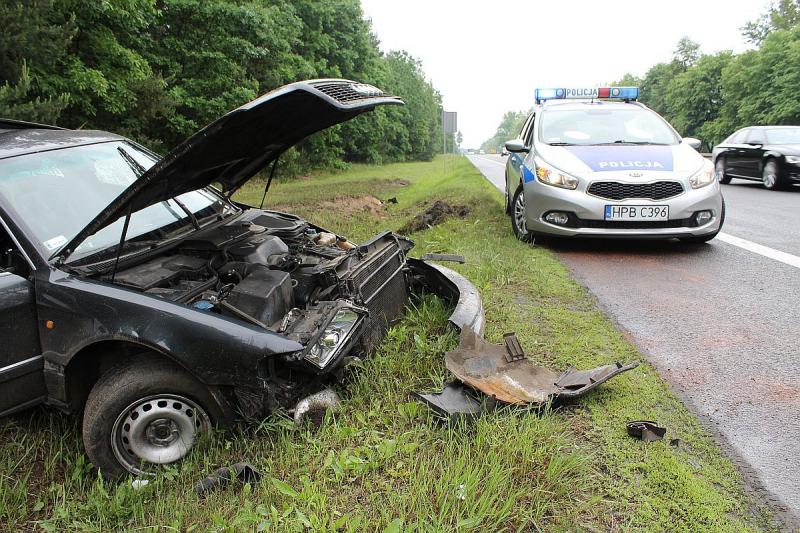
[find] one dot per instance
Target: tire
(772, 177)
(719, 170)
(518, 217)
(145, 414)
(705, 238)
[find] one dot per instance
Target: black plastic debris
(646, 430)
(222, 477)
(457, 401)
(392, 200)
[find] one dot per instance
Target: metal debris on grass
(646, 430)
(504, 374)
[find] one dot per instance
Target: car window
(738, 137)
(529, 133)
(595, 124)
(755, 137)
(55, 194)
(527, 128)
(783, 136)
(11, 258)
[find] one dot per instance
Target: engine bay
(279, 272)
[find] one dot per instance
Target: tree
(782, 15)
(693, 99)
(686, 52)
(509, 128)
(158, 70)
(15, 101)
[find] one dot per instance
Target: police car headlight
(552, 176)
(705, 176)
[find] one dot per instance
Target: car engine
(279, 272)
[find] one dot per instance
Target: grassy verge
(383, 463)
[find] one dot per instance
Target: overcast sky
(487, 57)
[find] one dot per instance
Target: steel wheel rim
(519, 215)
(769, 177)
(157, 430)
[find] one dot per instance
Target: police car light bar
(593, 93)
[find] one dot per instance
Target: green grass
(383, 463)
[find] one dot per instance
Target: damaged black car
(137, 295)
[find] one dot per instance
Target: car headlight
(552, 176)
(704, 176)
(333, 337)
(793, 159)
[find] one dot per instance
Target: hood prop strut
(269, 181)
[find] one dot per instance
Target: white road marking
(501, 163)
(760, 249)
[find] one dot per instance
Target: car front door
(753, 154)
(734, 153)
(21, 362)
(514, 163)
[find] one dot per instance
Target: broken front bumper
(456, 289)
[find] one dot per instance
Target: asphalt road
(720, 321)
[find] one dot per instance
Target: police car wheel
(719, 169)
(518, 217)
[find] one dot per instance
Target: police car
(594, 162)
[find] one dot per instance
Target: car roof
(18, 138)
(580, 104)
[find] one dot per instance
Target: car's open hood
(235, 147)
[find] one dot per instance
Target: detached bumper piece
(503, 374)
(456, 401)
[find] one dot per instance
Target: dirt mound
(434, 215)
(351, 206)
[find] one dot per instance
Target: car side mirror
(517, 146)
(694, 143)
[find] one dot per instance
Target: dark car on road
(769, 154)
(136, 295)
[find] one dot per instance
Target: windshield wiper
(561, 144)
(137, 168)
(188, 212)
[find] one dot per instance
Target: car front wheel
(518, 217)
(719, 169)
(143, 415)
(771, 176)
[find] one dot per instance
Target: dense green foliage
(158, 70)
(710, 96)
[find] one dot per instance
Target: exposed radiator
(382, 286)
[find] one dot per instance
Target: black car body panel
(240, 303)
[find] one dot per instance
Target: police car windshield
(596, 125)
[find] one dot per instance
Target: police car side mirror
(694, 143)
(516, 146)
